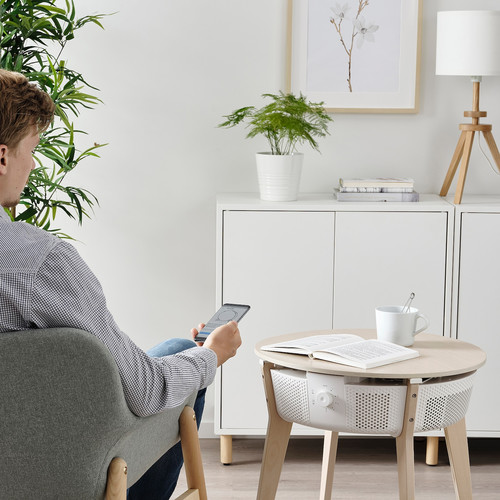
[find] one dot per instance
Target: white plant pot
(279, 176)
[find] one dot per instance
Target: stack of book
(378, 189)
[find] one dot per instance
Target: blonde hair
(22, 106)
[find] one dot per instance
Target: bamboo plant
(33, 36)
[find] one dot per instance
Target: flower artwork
(352, 34)
(353, 46)
(356, 55)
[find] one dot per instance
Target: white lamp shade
(468, 43)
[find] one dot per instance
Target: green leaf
(19, 63)
(30, 212)
(52, 8)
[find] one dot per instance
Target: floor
(365, 469)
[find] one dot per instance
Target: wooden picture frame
(356, 56)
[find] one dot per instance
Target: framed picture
(356, 55)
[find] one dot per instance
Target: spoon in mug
(406, 307)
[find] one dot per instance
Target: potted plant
(286, 122)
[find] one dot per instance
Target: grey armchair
(65, 429)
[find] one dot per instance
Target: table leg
(458, 453)
(404, 446)
(328, 464)
(278, 434)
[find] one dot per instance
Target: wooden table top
(439, 357)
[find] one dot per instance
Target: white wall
(168, 70)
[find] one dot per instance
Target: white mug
(396, 326)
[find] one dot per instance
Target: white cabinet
(381, 257)
(281, 263)
(476, 303)
(317, 264)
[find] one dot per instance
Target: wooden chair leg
(189, 495)
(116, 485)
(192, 453)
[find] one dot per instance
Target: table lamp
(468, 43)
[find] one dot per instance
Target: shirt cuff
(209, 359)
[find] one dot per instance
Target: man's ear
(4, 153)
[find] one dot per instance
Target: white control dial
(324, 398)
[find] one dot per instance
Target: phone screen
(228, 312)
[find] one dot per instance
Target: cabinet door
(281, 264)
(479, 311)
(381, 257)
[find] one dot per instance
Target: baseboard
(206, 430)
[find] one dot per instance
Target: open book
(346, 349)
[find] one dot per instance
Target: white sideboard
(319, 264)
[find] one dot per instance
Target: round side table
(444, 364)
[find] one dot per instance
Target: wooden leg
(278, 434)
(116, 486)
(432, 451)
(191, 452)
(469, 138)
(453, 165)
(328, 464)
(458, 453)
(226, 449)
(493, 147)
(404, 446)
(189, 495)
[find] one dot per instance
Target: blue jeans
(160, 480)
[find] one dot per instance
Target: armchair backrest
(63, 417)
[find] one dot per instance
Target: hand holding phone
(228, 312)
(225, 341)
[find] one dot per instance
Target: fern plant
(287, 121)
(33, 36)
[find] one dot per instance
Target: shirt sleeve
(67, 294)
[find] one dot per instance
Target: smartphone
(228, 312)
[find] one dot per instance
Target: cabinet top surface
(327, 202)
(478, 203)
(439, 357)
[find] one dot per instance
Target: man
(44, 283)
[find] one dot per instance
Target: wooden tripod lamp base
(464, 147)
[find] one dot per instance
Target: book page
(315, 342)
(371, 350)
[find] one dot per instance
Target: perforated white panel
(358, 408)
(291, 396)
(375, 409)
(443, 402)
